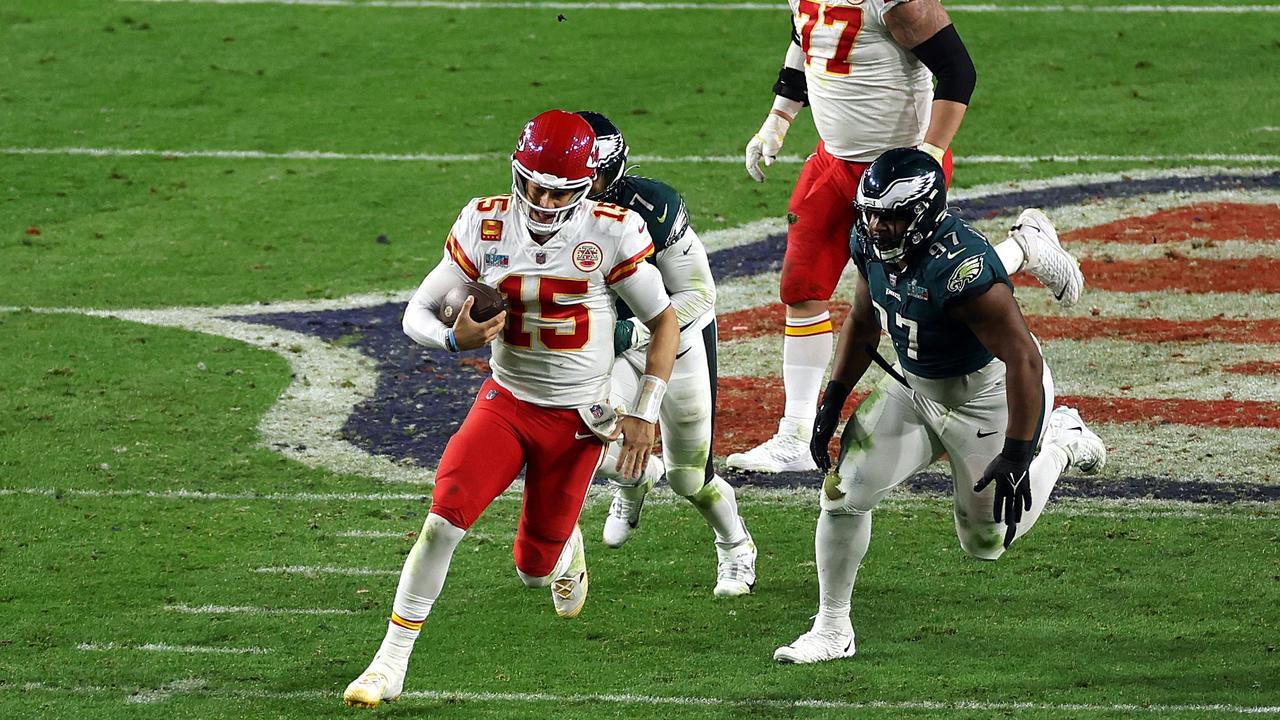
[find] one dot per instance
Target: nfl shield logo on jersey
(597, 411)
(491, 394)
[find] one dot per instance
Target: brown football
(488, 303)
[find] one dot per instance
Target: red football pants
(821, 215)
(500, 436)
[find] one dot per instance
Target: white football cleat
(1046, 259)
(788, 451)
(569, 590)
(817, 646)
(1085, 450)
(736, 567)
(376, 684)
(624, 513)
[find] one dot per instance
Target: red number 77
(849, 17)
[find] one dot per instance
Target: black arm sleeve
(946, 57)
(792, 85)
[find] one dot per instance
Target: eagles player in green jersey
(969, 382)
(688, 409)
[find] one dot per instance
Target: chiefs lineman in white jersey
(556, 256)
(867, 68)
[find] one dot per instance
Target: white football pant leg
(883, 444)
(980, 536)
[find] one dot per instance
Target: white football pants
(684, 417)
(897, 432)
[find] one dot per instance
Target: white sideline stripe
(372, 534)
(201, 495)
(252, 610)
(1132, 509)
(313, 570)
(679, 700)
(506, 5)
(167, 648)
(688, 159)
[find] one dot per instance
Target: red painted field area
(747, 406)
(1209, 221)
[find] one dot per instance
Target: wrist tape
(649, 398)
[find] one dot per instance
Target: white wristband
(649, 398)
(934, 151)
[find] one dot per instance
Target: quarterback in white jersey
(556, 256)
(867, 68)
(557, 347)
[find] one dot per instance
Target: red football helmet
(555, 151)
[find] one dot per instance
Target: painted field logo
(587, 256)
(1172, 354)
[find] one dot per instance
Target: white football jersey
(868, 94)
(557, 347)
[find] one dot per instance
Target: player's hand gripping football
(824, 427)
(470, 334)
(637, 442)
(1011, 472)
(766, 144)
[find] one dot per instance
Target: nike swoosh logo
(663, 216)
(956, 254)
(580, 436)
(1058, 295)
(987, 434)
(686, 250)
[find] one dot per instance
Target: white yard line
(167, 648)
(238, 497)
(372, 534)
(314, 570)
(201, 689)
(166, 691)
(252, 610)
(1092, 507)
(765, 6)
(110, 152)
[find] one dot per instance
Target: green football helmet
(904, 194)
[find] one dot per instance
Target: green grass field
(135, 486)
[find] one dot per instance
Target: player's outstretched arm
(861, 330)
(924, 28)
(994, 317)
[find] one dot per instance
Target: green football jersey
(662, 210)
(958, 264)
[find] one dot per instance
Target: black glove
(1011, 472)
(825, 425)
